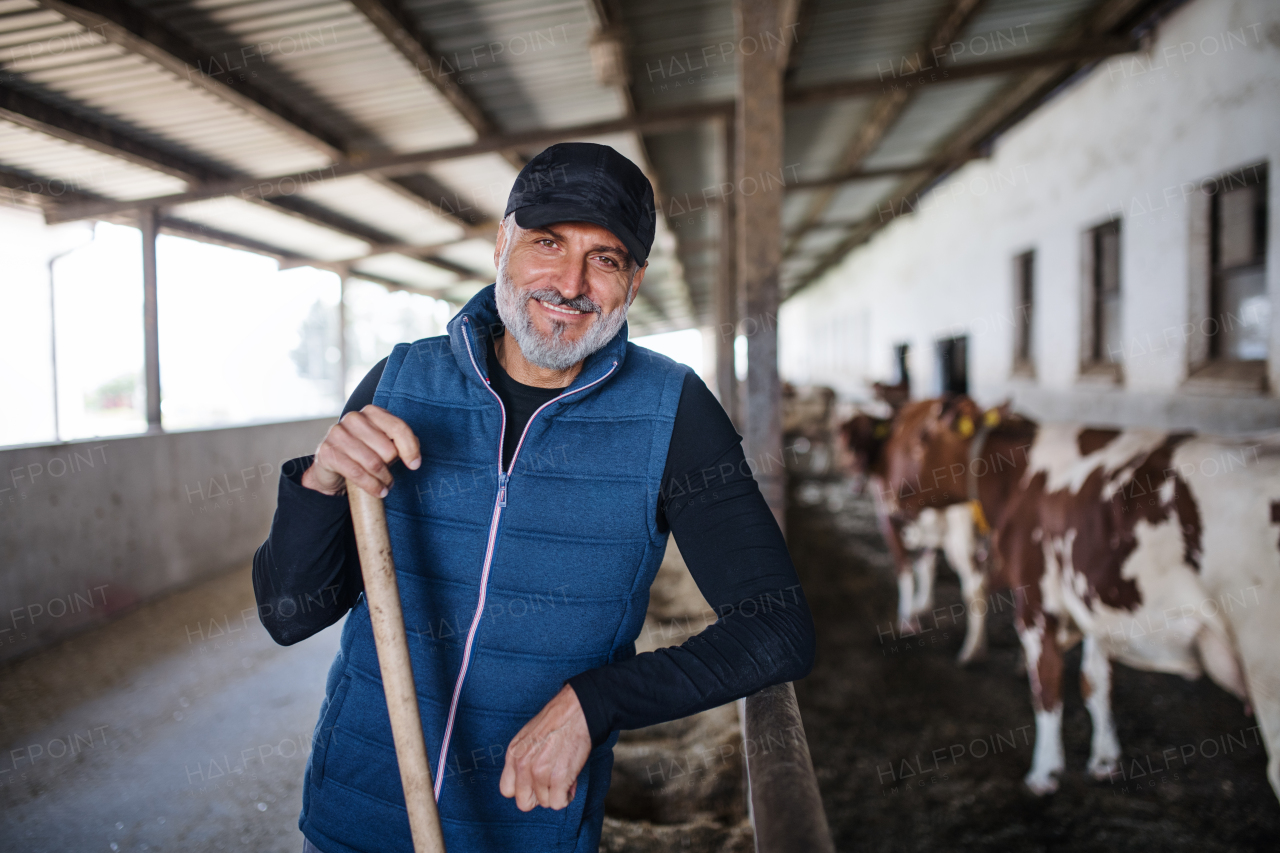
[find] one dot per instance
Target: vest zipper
(498, 505)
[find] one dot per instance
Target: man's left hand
(546, 756)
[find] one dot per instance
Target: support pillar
(759, 144)
(726, 294)
(342, 340)
(149, 223)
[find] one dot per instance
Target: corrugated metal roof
(236, 216)
(1009, 27)
(373, 204)
(861, 39)
(856, 200)
(524, 65)
(526, 62)
(328, 60)
(681, 52)
(930, 118)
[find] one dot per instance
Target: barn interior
(217, 215)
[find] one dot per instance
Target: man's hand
(360, 447)
(545, 758)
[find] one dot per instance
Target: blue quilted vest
(511, 584)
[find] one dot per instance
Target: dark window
(901, 375)
(953, 365)
(1238, 292)
(1107, 345)
(1023, 308)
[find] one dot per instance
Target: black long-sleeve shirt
(709, 501)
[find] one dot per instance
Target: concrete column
(759, 145)
(342, 341)
(727, 295)
(53, 350)
(149, 222)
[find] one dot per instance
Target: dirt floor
(878, 711)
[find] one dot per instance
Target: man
(533, 463)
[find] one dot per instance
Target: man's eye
(547, 242)
(608, 259)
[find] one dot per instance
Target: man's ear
(635, 282)
(499, 244)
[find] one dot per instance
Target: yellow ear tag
(992, 417)
(965, 426)
(979, 518)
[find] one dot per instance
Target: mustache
(579, 303)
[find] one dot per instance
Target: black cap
(585, 182)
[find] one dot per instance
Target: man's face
(563, 290)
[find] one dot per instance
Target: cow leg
(959, 546)
(1044, 671)
(891, 529)
(926, 570)
(907, 624)
(1095, 686)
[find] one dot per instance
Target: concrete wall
(90, 528)
(1125, 141)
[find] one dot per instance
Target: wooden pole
(759, 193)
(782, 790)
(383, 595)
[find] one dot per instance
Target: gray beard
(552, 352)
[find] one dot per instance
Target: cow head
(926, 457)
(864, 436)
(895, 395)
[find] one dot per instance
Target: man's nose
(574, 281)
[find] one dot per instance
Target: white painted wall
(1120, 142)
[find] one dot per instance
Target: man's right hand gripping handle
(360, 448)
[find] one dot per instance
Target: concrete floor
(181, 726)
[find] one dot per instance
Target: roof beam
(400, 163)
(883, 114)
(929, 75)
(392, 284)
(417, 251)
(39, 192)
(204, 234)
(861, 175)
(24, 189)
(34, 114)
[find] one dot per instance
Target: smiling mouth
(559, 309)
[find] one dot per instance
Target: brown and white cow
(1105, 532)
(915, 537)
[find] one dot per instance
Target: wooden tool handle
(383, 595)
